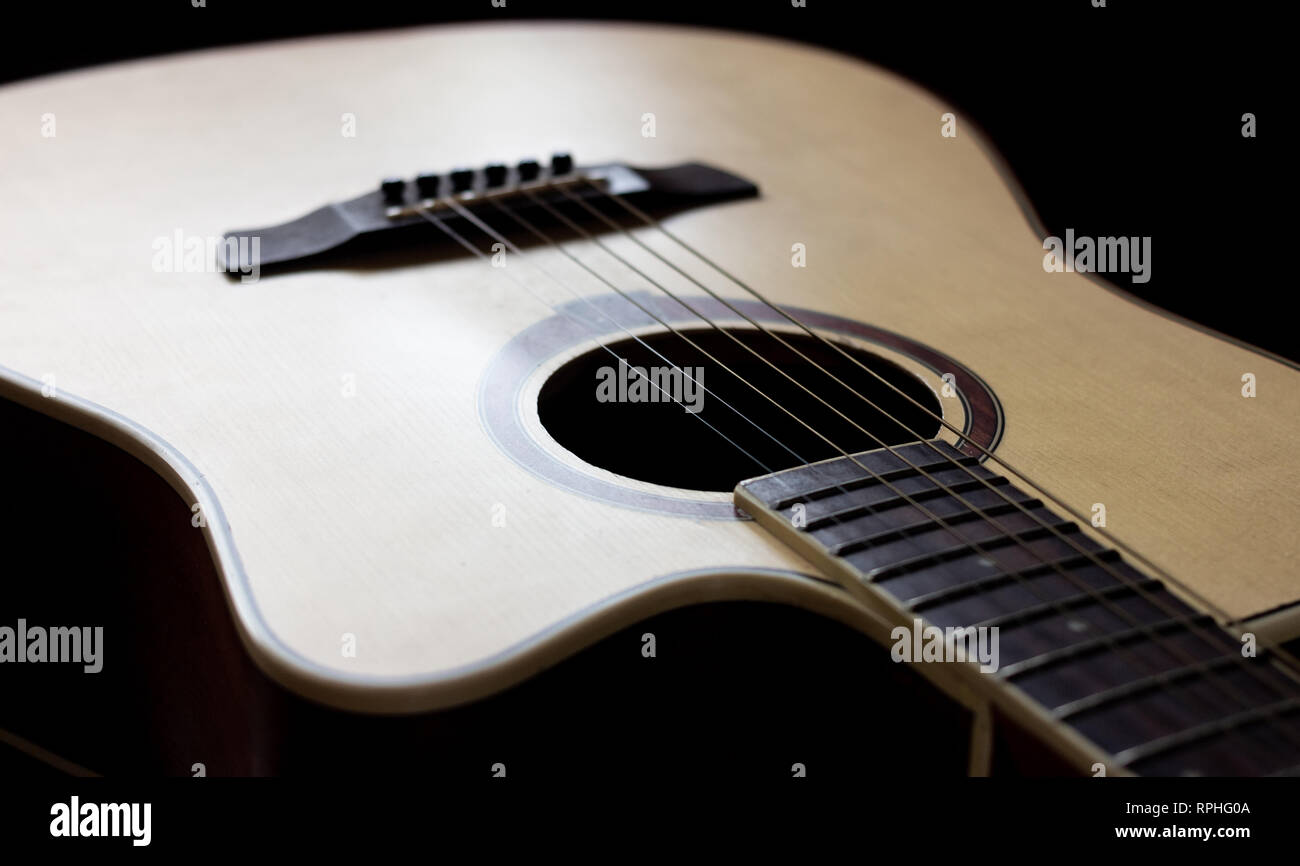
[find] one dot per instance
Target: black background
(1123, 120)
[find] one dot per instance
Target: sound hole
(638, 426)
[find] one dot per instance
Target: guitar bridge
(394, 214)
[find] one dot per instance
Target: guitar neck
(1062, 631)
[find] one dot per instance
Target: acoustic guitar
(504, 338)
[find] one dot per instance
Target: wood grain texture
(372, 514)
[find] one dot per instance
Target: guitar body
(393, 526)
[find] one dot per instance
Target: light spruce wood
(371, 514)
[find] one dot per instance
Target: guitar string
(1052, 602)
(473, 249)
(456, 236)
(1193, 627)
(1280, 659)
(1191, 623)
(657, 225)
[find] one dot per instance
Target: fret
(1100, 699)
(1100, 643)
(1007, 591)
(1048, 608)
(1099, 672)
(900, 527)
(983, 587)
(989, 538)
(816, 480)
(852, 477)
(1187, 704)
(1099, 616)
(883, 508)
(1096, 643)
(1259, 747)
(926, 480)
(1186, 737)
(832, 509)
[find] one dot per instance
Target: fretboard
(1083, 635)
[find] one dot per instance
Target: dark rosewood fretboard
(1100, 646)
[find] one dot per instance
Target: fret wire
(1091, 645)
(845, 548)
(898, 569)
(893, 475)
(655, 224)
(956, 592)
(1038, 611)
(1187, 736)
(500, 206)
(854, 511)
(1096, 700)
